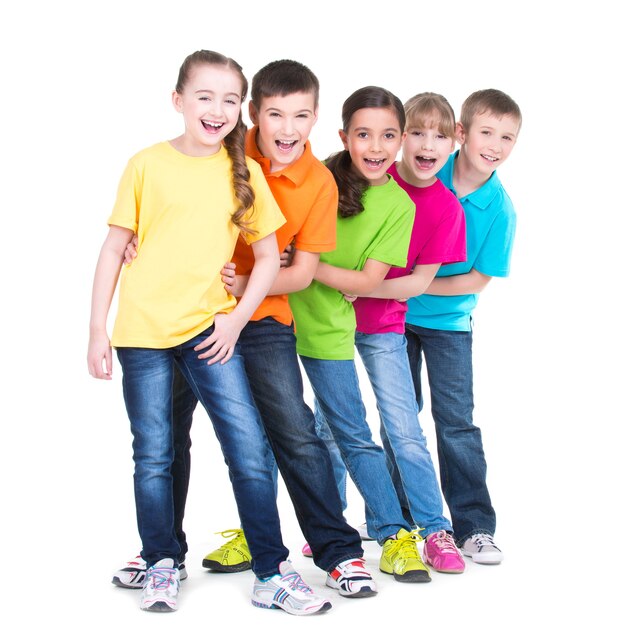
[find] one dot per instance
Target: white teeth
(490, 158)
(287, 143)
(378, 161)
(214, 124)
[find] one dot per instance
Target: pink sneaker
(441, 553)
(306, 550)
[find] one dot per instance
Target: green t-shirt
(325, 321)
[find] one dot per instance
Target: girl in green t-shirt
(373, 229)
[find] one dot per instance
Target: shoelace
(160, 577)
(407, 546)
(296, 583)
(235, 533)
(445, 542)
(482, 541)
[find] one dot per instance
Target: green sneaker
(401, 558)
(233, 556)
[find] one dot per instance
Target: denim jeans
(462, 466)
(269, 351)
(384, 356)
(225, 394)
(338, 403)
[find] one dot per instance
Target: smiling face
(285, 123)
(488, 142)
(424, 152)
(210, 104)
(373, 139)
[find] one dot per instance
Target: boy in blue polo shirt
(439, 324)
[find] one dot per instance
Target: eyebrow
(384, 129)
(277, 110)
(231, 93)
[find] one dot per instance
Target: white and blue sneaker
(133, 574)
(352, 580)
(287, 591)
(160, 590)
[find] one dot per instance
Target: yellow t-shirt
(180, 207)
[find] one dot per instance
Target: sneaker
(441, 553)
(401, 558)
(306, 551)
(287, 591)
(133, 575)
(482, 549)
(160, 590)
(362, 529)
(352, 580)
(233, 556)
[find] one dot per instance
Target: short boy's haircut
(282, 78)
(492, 100)
(430, 110)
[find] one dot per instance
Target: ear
(403, 138)
(344, 138)
(315, 112)
(254, 114)
(177, 101)
(459, 131)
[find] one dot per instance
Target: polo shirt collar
(483, 196)
(295, 172)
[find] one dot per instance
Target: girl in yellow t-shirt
(188, 200)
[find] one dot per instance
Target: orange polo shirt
(307, 196)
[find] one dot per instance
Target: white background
(85, 85)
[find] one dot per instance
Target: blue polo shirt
(490, 225)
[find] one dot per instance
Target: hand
(286, 257)
(349, 297)
(98, 354)
(221, 343)
(131, 251)
(233, 283)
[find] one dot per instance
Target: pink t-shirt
(438, 236)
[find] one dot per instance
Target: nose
(287, 125)
(375, 144)
(216, 107)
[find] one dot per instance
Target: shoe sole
(364, 592)
(310, 611)
(483, 559)
(159, 607)
(415, 576)
(216, 566)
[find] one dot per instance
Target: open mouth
(491, 159)
(212, 127)
(285, 146)
(374, 164)
(425, 163)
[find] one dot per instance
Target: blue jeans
(462, 465)
(386, 362)
(338, 403)
(225, 394)
(269, 351)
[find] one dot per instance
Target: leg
(385, 359)
(269, 351)
(462, 465)
(183, 405)
(147, 385)
(336, 388)
(224, 392)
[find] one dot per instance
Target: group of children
(386, 256)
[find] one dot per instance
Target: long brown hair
(235, 141)
(351, 184)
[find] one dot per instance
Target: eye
(507, 138)
(362, 135)
(390, 136)
(417, 133)
(485, 132)
(440, 136)
(274, 114)
(304, 116)
(204, 98)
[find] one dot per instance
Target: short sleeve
(126, 208)
(319, 230)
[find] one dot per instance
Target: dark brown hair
(282, 78)
(234, 142)
(351, 184)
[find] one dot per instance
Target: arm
(405, 287)
(104, 283)
(355, 282)
(459, 284)
(222, 341)
(295, 277)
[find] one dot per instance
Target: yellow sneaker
(233, 556)
(401, 558)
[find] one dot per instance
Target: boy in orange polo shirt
(283, 109)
